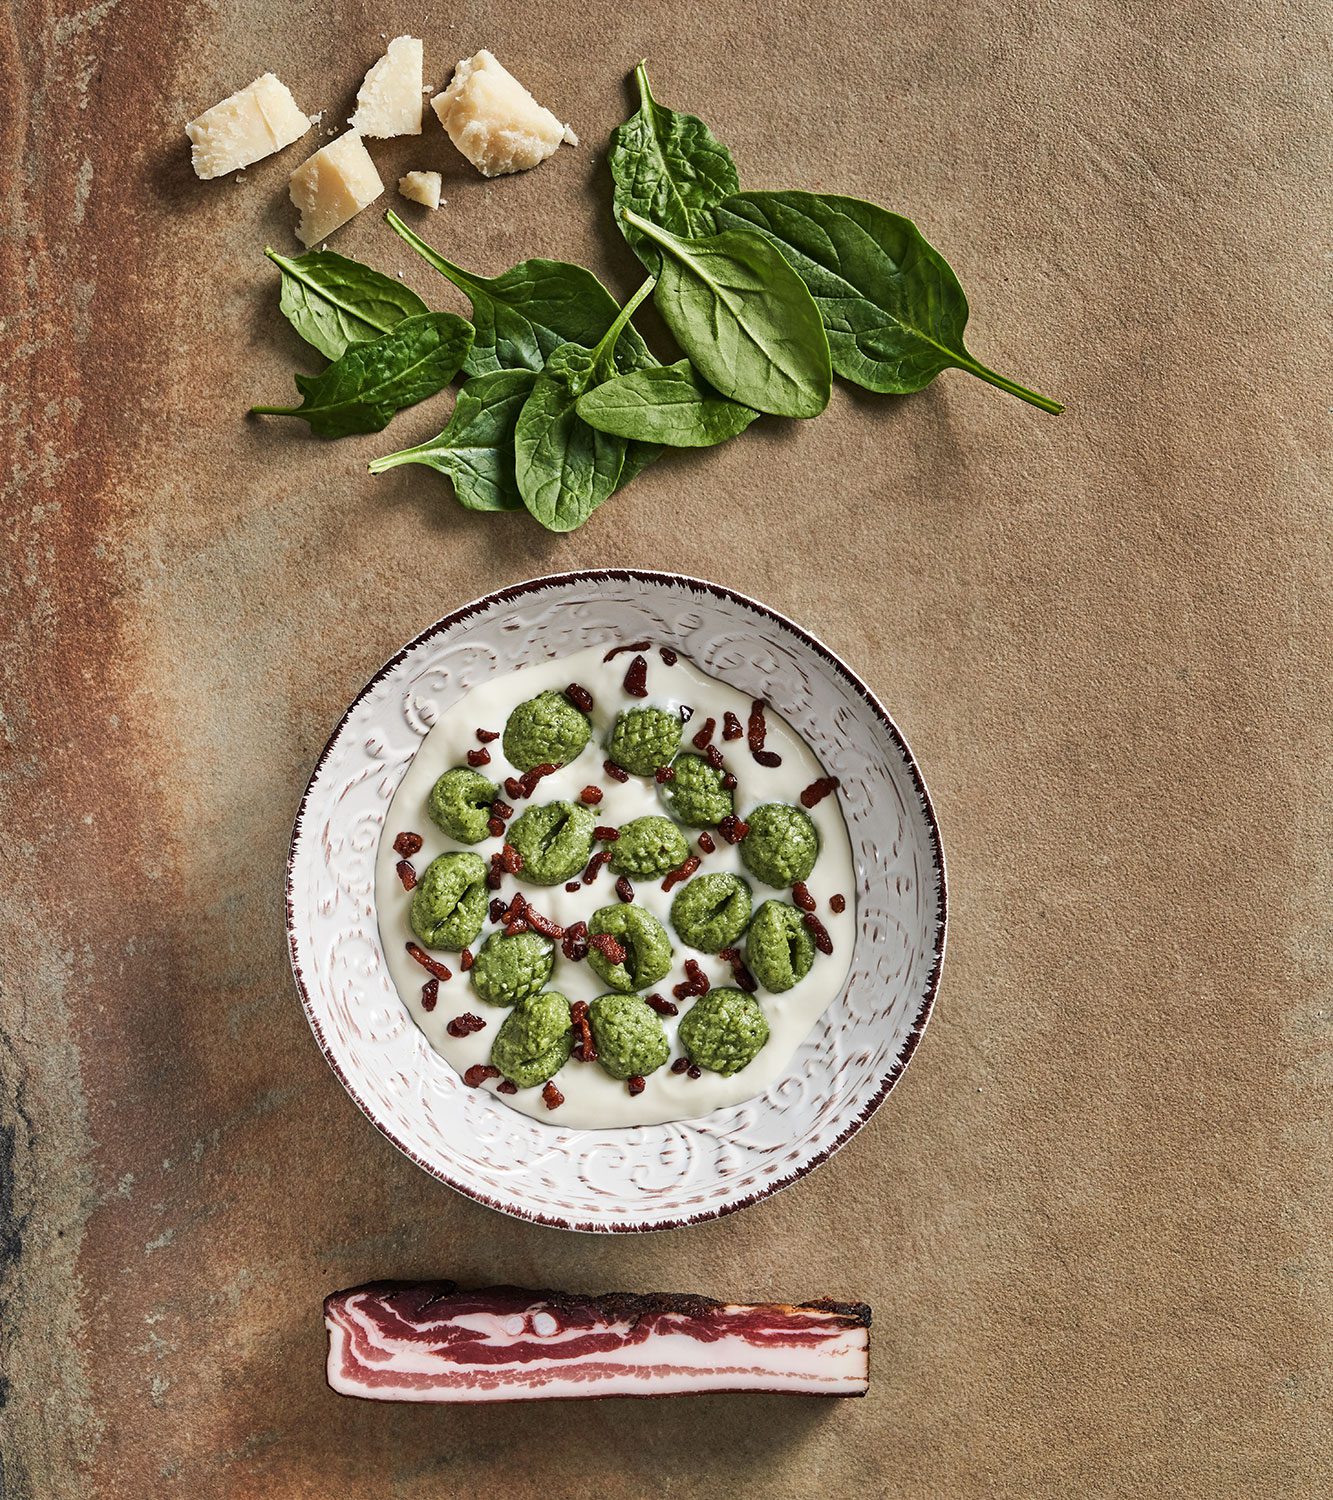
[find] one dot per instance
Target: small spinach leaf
(893, 308)
(333, 302)
(670, 168)
(476, 449)
(361, 391)
(745, 319)
(669, 404)
(525, 314)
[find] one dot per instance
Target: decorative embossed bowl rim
(645, 1177)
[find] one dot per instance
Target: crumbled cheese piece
(422, 187)
(335, 183)
(251, 124)
(493, 120)
(389, 101)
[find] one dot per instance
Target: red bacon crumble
(496, 909)
(744, 979)
(681, 872)
(819, 932)
(431, 965)
(595, 864)
(574, 945)
(404, 871)
(706, 842)
(604, 834)
(636, 678)
(663, 774)
(590, 796)
(465, 1024)
(757, 733)
(513, 788)
(478, 1073)
(731, 726)
(552, 1098)
(511, 861)
(529, 779)
(732, 828)
(635, 1085)
(696, 976)
(714, 758)
(501, 810)
(430, 993)
(573, 885)
(661, 1005)
(480, 757)
(818, 790)
(694, 1071)
(614, 771)
(506, 1086)
(680, 1065)
(543, 926)
(624, 889)
(408, 844)
(702, 736)
(837, 904)
(496, 827)
(585, 1049)
(619, 650)
(488, 736)
(800, 895)
(612, 951)
(580, 697)
(728, 782)
(465, 960)
(668, 655)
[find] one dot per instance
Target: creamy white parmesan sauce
(592, 1098)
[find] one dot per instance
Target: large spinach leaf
(893, 308)
(525, 314)
(361, 391)
(566, 469)
(333, 302)
(669, 404)
(744, 317)
(476, 450)
(667, 167)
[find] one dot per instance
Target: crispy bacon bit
(529, 779)
(506, 1086)
(714, 758)
(408, 844)
(590, 796)
(624, 889)
(496, 827)
(728, 782)
(511, 861)
(663, 774)
(744, 979)
(517, 907)
(480, 757)
(575, 943)
(635, 1085)
(618, 650)
(696, 976)
(636, 678)
(585, 1049)
(501, 810)
(604, 834)
(595, 864)
(580, 697)
(465, 1024)
(818, 790)
(668, 655)
(431, 965)
(573, 885)
(513, 788)
(488, 736)
(837, 904)
(403, 869)
(680, 1065)
(496, 909)
(705, 734)
(612, 951)
(732, 828)
(800, 894)
(430, 993)
(706, 842)
(819, 932)
(769, 758)
(694, 1071)
(661, 1005)
(757, 733)
(552, 1098)
(465, 960)
(683, 990)
(731, 726)
(543, 926)
(495, 875)
(614, 771)
(478, 1073)
(513, 929)
(681, 872)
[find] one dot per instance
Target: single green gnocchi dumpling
(695, 794)
(648, 847)
(781, 846)
(460, 804)
(555, 841)
(449, 903)
(643, 739)
(711, 912)
(534, 1041)
(545, 730)
(778, 947)
(723, 1031)
(630, 1039)
(646, 944)
(509, 969)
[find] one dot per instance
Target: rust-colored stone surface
(1093, 1221)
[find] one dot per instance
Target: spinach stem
(447, 269)
(1033, 398)
(606, 347)
(272, 411)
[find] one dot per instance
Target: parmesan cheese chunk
(494, 121)
(251, 124)
(389, 101)
(422, 187)
(335, 183)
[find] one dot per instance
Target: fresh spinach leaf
(670, 168)
(476, 450)
(893, 308)
(361, 391)
(745, 319)
(566, 469)
(638, 457)
(669, 404)
(525, 314)
(333, 302)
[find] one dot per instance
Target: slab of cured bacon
(428, 1341)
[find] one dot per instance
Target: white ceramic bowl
(645, 1177)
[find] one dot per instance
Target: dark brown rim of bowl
(640, 575)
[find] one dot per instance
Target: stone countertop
(1093, 1220)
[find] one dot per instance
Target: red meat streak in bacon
(407, 1341)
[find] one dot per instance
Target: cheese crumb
(389, 100)
(333, 185)
(247, 126)
(493, 120)
(422, 187)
